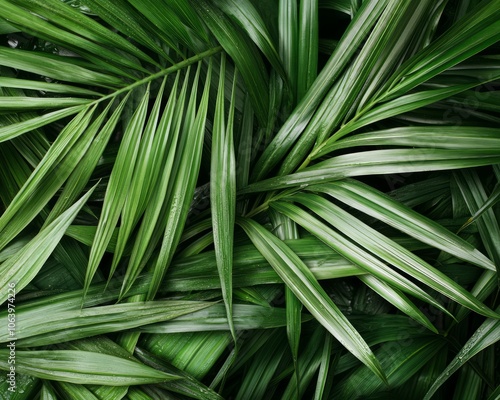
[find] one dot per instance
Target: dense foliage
(248, 199)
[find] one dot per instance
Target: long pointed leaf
(298, 277)
(72, 324)
(401, 217)
(83, 367)
(293, 127)
(168, 131)
(486, 335)
(391, 252)
(185, 181)
(355, 254)
(117, 188)
(223, 194)
(22, 267)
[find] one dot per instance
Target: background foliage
(250, 199)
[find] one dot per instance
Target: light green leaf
(71, 324)
(403, 218)
(117, 188)
(294, 125)
(298, 278)
(384, 48)
(379, 162)
(182, 188)
(46, 87)
(442, 137)
(192, 352)
(307, 68)
(23, 266)
(44, 182)
(223, 192)
(81, 174)
(391, 252)
(168, 135)
(10, 132)
(13, 103)
(394, 107)
(473, 33)
(141, 181)
(288, 41)
(83, 367)
(355, 254)
(56, 67)
(188, 385)
(214, 318)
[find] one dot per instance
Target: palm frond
(249, 199)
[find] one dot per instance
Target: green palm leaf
(223, 195)
(390, 252)
(119, 180)
(177, 183)
(486, 335)
(298, 278)
(84, 367)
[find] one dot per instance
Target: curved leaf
(83, 367)
(300, 280)
(23, 266)
(486, 335)
(223, 193)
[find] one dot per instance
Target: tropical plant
(249, 199)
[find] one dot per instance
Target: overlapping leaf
(84, 367)
(223, 194)
(300, 280)
(22, 267)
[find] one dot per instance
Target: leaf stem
(183, 64)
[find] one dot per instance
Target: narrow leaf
(379, 162)
(244, 53)
(355, 254)
(72, 324)
(83, 367)
(168, 134)
(307, 46)
(486, 335)
(56, 67)
(403, 218)
(117, 188)
(298, 277)
(294, 125)
(391, 252)
(22, 267)
(182, 188)
(223, 193)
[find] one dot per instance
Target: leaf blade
(299, 279)
(223, 193)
